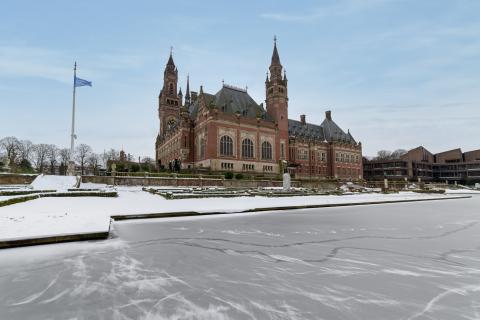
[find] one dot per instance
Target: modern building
(451, 166)
(416, 163)
(230, 131)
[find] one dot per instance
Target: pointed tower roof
(180, 92)
(275, 56)
(187, 93)
(170, 62)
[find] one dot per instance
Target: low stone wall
(13, 178)
(183, 182)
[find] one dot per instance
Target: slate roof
(232, 100)
(308, 130)
(334, 133)
(328, 131)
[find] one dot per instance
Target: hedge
(18, 200)
(80, 194)
(23, 192)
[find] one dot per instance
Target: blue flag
(80, 82)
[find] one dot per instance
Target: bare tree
(93, 162)
(398, 153)
(81, 154)
(383, 155)
(113, 154)
(64, 157)
(52, 154)
(10, 145)
(40, 154)
(25, 150)
(148, 160)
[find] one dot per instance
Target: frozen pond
(393, 261)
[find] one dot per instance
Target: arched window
(266, 151)
(226, 146)
(247, 148)
(170, 89)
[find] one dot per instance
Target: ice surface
(394, 261)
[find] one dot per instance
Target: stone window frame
(267, 150)
(248, 149)
(226, 146)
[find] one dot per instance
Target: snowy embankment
(59, 183)
(462, 191)
(59, 216)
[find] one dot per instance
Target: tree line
(26, 157)
(389, 155)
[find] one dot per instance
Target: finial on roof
(223, 82)
(201, 89)
(246, 87)
(170, 59)
(275, 56)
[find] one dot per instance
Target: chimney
(302, 119)
(328, 115)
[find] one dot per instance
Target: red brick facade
(229, 131)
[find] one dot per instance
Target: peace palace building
(229, 131)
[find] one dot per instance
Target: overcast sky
(398, 74)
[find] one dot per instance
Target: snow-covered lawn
(59, 216)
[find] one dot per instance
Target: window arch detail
(226, 146)
(266, 151)
(247, 148)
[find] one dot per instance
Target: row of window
(226, 148)
(351, 172)
(302, 154)
(268, 168)
(347, 157)
(312, 170)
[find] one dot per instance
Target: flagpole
(72, 137)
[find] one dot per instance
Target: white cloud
(26, 61)
(57, 65)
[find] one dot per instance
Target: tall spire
(170, 62)
(187, 93)
(275, 56)
(275, 66)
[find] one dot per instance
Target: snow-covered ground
(49, 182)
(58, 216)
(462, 191)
